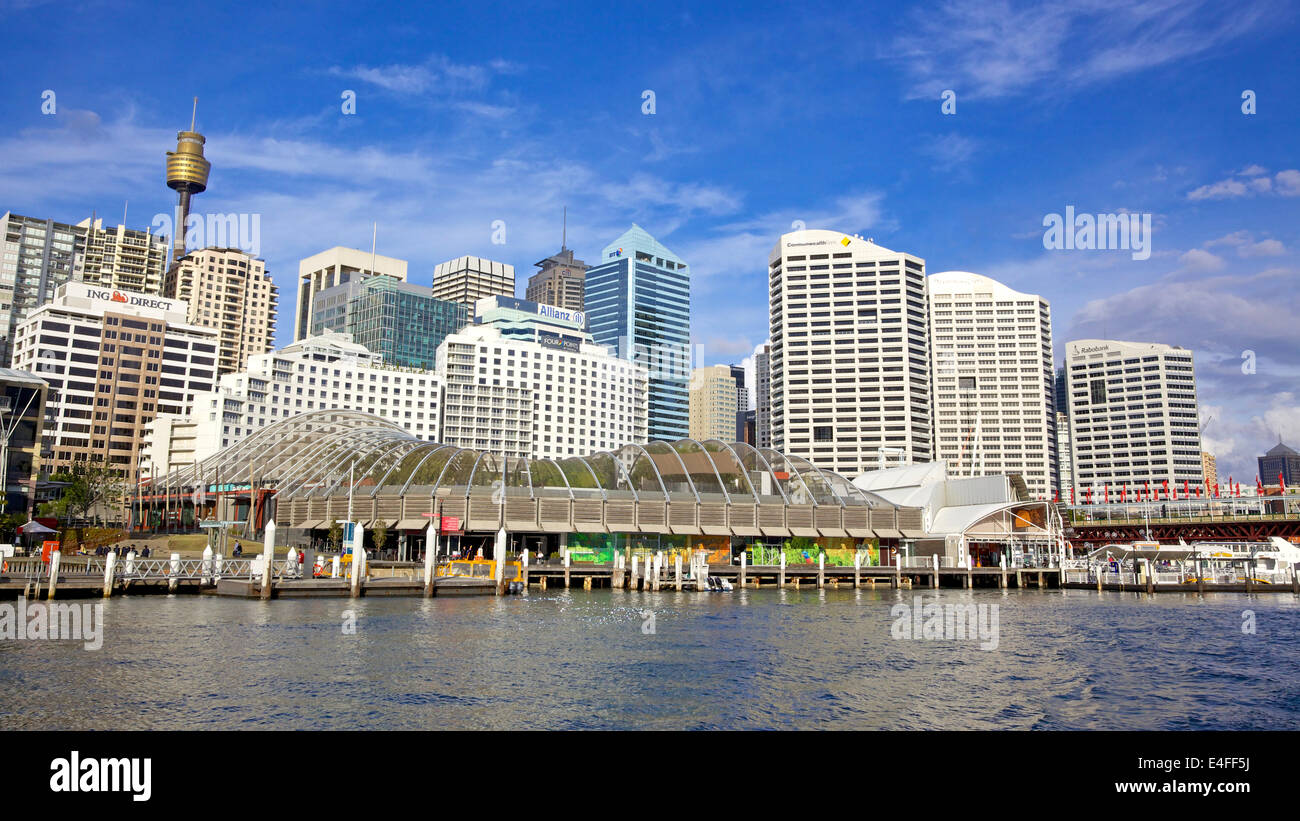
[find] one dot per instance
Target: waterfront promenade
(74, 577)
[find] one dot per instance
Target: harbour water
(741, 660)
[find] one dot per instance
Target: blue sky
(468, 113)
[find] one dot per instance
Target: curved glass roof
(329, 452)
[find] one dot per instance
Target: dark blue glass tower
(638, 301)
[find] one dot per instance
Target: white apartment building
(715, 400)
(991, 369)
(231, 291)
(544, 399)
(335, 267)
(850, 357)
(114, 361)
(468, 279)
(1133, 417)
(38, 255)
(123, 258)
(318, 373)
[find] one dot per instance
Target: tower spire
(194, 112)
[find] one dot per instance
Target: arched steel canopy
(327, 453)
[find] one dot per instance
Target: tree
(380, 532)
(91, 486)
(334, 538)
(9, 524)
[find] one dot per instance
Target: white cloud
(1288, 183)
(1198, 260)
(985, 49)
(1285, 183)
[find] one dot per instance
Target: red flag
(1281, 483)
(1105, 489)
(1216, 490)
(1165, 482)
(1187, 489)
(1088, 498)
(1259, 486)
(1056, 495)
(1198, 491)
(1123, 493)
(1071, 494)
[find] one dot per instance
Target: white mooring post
(129, 569)
(821, 570)
(173, 575)
(110, 567)
(743, 558)
(934, 579)
(54, 575)
(677, 567)
(218, 562)
(781, 581)
(499, 554)
(205, 576)
(857, 569)
(334, 568)
(268, 560)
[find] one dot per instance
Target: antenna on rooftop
(564, 234)
(374, 239)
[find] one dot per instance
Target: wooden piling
(428, 572)
(586, 583)
(781, 573)
(821, 571)
(743, 557)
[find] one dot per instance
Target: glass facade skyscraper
(401, 321)
(638, 301)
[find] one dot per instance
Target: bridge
(1245, 519)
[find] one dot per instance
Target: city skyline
(1223, 204)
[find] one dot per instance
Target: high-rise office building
(713, 404)
(468, 279)
(1133, 418)
(763, 398)
(850, 352)
(638, 304)
(522, 319)
(560, 282)
(40, 254)
(22, 421)
(335, 267)
(993, 381)
(742, 399)
(323, 372)
(400, 321)
(1282, 460)
(114, 360)
(230, 291)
